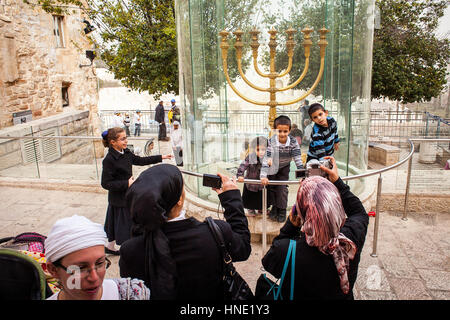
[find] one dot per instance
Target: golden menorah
(273, 75)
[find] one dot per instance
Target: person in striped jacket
(282, 148)
(324, 136)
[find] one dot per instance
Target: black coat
(316, 276)
(159, 114)
(117, 170)
(198, 260)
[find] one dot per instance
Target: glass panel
(19, 157)
(221, 122)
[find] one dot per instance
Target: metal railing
(290, 182)
(386, 124)
(408, 177)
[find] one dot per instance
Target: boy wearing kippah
(282, 148)
(324, 135)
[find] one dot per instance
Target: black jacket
(159, 113)
(198, 260)
(315, 273)
(117, 169)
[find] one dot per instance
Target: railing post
(377, 218)
(408, 180)
(264, 221)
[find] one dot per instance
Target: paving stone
(412, 256)
(399, 267)
(436, 280)
(429, 260)
(409, 289)
(440, 295)
(377, 295)
(372, 278)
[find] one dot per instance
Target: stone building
(40, 57)
(45, 75)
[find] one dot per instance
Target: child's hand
(269, 162)
(167, 156)
(264, 181)
(336, 146)
(241, 179)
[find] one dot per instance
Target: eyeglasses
(84, 271)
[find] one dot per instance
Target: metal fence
(388, 125)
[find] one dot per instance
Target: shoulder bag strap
(294, 246)
(289, 256)
(217, 233)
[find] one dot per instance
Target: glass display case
(219, 124)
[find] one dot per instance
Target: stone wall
(34, 70)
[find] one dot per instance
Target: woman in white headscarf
(75, 252)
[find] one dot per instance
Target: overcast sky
(444, 25)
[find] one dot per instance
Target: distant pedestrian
(177, 143)
(127, 123)
(304, 113)
(296, 133)
(176, 113)
(137, 123)
(160, 118)
(117, 121)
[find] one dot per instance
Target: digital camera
(313, 169)
(212, 180)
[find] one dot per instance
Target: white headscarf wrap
(72, 234)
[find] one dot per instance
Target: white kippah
(72, 234)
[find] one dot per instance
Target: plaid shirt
(281, 155)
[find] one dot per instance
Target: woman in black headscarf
(177, 256)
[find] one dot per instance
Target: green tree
(139, 42)
(137, 39)
(409, 61)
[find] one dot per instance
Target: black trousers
(278, 195)
(162, 131)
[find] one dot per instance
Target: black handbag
(235, 287)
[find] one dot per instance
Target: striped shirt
(323, 140)
(281, 155)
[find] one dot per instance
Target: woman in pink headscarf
(329, 225)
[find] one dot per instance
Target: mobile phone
(212, 180)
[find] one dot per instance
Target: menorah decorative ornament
(273, 75)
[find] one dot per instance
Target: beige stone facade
(40, 58)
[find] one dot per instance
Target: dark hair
(282, 120)
(111, 134)
(258, 141)
(314, 107)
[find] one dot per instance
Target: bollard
(377, 218)
(264, 226)
(408, 179)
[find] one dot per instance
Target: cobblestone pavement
(413, 256)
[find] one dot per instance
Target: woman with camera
(177, 256)
(329, 225)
